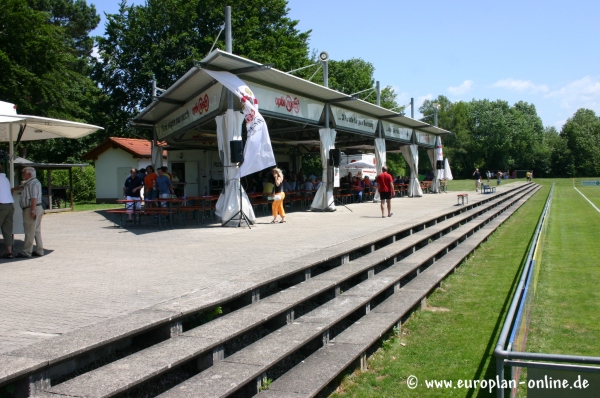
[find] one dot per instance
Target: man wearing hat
(31, 203)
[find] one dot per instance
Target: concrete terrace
(93, 271)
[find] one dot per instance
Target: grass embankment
(455, 337)
(567, 301)
(83, 206)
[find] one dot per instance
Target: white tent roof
(39, 128)
(36, 128)
(194, 82)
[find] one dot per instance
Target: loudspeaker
(440, 165)
(334, 157)
(236, 150)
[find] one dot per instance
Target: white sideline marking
(597, 209)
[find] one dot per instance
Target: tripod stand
(240, 213)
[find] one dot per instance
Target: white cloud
(463, 88)
(582, 93)
(521, 85)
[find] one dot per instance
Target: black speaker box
(334, 157)
(236, 149)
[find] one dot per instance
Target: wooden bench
(159, 212)
(488, 189)
(461, 197)
(119, 213)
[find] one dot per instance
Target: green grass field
(455, 337)
(567, 302)
(83, 206)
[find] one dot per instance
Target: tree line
(52, 67)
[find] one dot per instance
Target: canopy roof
(167, 108)
(39, 128)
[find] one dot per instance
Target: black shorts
(385, 195)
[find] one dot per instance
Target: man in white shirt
(31, 203)
(6, 213)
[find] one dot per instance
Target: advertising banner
(287, 104)
(353, 120)
(194, 110)
(392, 130)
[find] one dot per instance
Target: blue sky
(542, 52)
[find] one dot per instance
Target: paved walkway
(94, 271)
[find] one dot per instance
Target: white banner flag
(258, 152)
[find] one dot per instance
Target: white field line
(597, 209)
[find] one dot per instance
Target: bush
(84, 182)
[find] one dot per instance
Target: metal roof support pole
(412, 116)
(378, 89)
(228, 48)
(11, 153)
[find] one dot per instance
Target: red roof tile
(137, 147)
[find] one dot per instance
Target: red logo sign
(289, 103)
(201, 106)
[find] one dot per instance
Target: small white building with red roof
(113, 160)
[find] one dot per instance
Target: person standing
(278, 197)
(165, 188)
(6, 213)
(31, 203)
(499, 177)
(150, 191)
(477, 176)
(131, 191)
(385, 186)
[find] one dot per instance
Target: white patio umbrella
(15, 127)
(360, 165)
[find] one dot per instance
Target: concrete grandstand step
(356, 340)
(324, 317)
(222, 329)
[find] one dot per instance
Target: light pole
(436, 108)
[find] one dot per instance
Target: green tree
(581, 135)
(42, 74)
(163, 37)
(77, 19)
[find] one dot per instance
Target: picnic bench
(137, 214)
(488, 189)
(461, 197)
